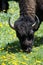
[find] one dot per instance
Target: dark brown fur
(31, 7)
(4, 5)
(29, 10)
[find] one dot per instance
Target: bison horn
(36, 21)
(34, 24)
(11, 25)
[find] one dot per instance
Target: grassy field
(10, 50)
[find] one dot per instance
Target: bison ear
(35, 25)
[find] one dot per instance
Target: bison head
(25, 28)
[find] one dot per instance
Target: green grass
(10, 50)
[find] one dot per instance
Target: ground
(10, 50)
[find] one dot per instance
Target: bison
(31, 15)
(4, 5)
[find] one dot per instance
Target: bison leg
(5, 6)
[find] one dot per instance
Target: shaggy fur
(39, 9)
(31, 7)
(23, 26)
(25, 33)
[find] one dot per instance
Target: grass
(10, 50)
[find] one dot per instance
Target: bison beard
(28, 22)
(25, 33)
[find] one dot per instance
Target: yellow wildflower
(14, 35)
(12, 10)
(3, 63)
(24, 63)
(14, 63)
(38, 61)
(11, 32)
(3, 57)
(6, 24)
(25, 57)
(0, 49)
(0, 24)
